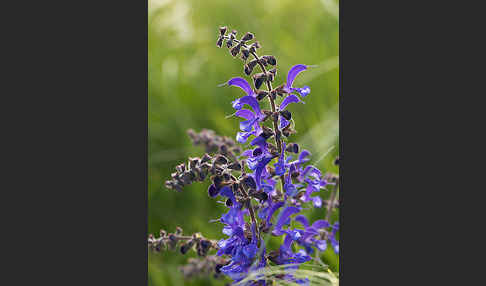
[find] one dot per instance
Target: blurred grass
(185, 67)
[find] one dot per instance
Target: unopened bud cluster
(173, 241)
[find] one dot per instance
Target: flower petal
(247, 125)
(272, 210)
(318, 224)
(283, 122)
(289, 99)
(245, 113)
(241, 83)
(293, 72)
(259, 169)
(251, 101)
(303, 220)
(284, 216)
(303, 91)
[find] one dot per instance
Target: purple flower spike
(289, 99)
(241, 83)
(293, 72)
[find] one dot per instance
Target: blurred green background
(185, 67)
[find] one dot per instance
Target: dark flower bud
(235, 187)
(219, 181)
(203, 247)
(293, 148)
(212, 191)
(172, 241)
(163, 233)
(295, 175)
(222, 30)
(336, 162)
(193, 162)
(261, 94)
(273, 71)
(273, 149)
(218, 267)
(233, 33)
(258, 79)
(286, 114)
(205, 158)
(248, 182)
(263, 62)
(287, 131)
(273, 93)
(220, 159)
(267, 132)
(178, 231)
(247, 37)
(235, 166)
(229, 43)
(254, 47)
(187, 177)
(219, 43)
(270, 59)
(235, 50)
(262, 196)
(257, 152)
(244, 54)
(250, 66)
(229, 203)
(185, 247)
(180, 168)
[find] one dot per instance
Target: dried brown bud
(258, 79)
(193, 162)
(180, 168)
(220, 41)
(205, 158)
(247, 37)
(267, 132)
(222, 30)
(286, 114)
(270, 59)
(336, 162)
(261, 94)
(235, 166)
(244, 54)
(254, 47)
(235, 50)
(220, 159)
(293, 148)
(185, 247)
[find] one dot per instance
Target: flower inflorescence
(265, 188)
